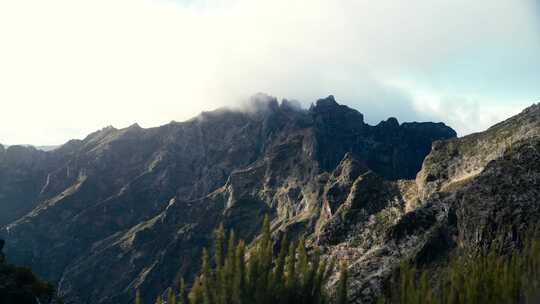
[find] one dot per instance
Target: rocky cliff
(131, 209)
(470, 192)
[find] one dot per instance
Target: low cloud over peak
(71, 67)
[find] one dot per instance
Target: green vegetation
(18, 285)
(342, 286)
(491, 277)
(258, 276)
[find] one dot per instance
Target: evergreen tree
(138, 297)
(291, 278)
(207, 280)
(182, 297)
(171, 296)
(303, 265)
(485, 277)
(227, 275)
(239, 274)
(196, 293)
(218, 244)
(264, 260)
(256, 276)
(342, 285)
(322, 275)
(278, 278)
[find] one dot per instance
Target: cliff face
(130, 209)
(23, 172)
(470, 192)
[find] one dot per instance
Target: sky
(70, 67)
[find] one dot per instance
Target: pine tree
(291, 278)
(227, 276)
(239, 274)
(264, 261)
(171, 297)
(219, 244)
(322, 276)
(310, 287)
(196, 293)
(207, 282)
(342, 285)
(251, 278)
(182, 298)
(481, 277)
(138, 297)
(278, 278)
(303, 266)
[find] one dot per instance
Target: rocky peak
(134, 126)
(98, 136)
(328, 102)
(339, 184)
(23, 155)
(350, 167)
(391, 150)
(326, 109)
(261, 103)
(390, 123)
(290, 105)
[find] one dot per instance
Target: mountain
(132, 208)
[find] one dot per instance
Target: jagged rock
(124, 209)
(130, 209)
(471, 192)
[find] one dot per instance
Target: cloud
(69, 67)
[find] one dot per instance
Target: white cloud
(68, 67)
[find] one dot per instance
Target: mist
(71, 67)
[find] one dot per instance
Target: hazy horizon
(70, 67)
(241, 106)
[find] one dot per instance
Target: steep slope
(23, 172)
(392, 150)
(129, 209)
(470, 192)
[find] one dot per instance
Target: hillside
(131, 209)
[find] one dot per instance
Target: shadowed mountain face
(131, 209)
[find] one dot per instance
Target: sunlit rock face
(470, 192)
(131, 209)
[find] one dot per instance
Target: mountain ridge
(115, 204)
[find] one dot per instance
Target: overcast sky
(69, 67)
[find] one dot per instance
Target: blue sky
(69, 67)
